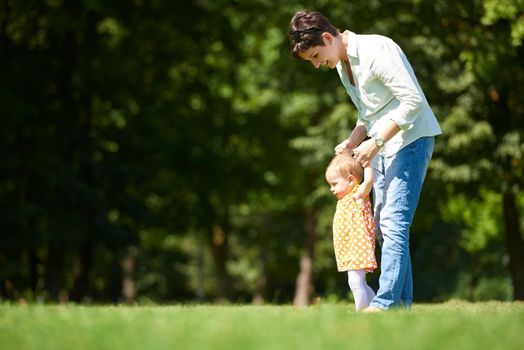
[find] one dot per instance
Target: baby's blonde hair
(345, 165)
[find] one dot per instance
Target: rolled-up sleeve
(391, 66)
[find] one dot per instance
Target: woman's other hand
(365, 152)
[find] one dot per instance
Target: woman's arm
(358, 134)
(393, 69)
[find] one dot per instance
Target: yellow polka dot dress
(353, 234)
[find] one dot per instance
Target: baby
(353, 225)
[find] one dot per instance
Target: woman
(394, 113)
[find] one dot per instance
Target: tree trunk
(128, 281)
(33, 271)
(53, 274)
(304, 282)
(81, 268)
(259, 296)
(200, 291)
(515, 244)
(218, 240)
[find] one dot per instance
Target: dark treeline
(162, 151)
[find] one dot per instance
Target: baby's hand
(360, 194)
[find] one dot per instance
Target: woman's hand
(365, 152)
(343, 146)
(357, 135)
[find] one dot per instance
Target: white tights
(362, 293)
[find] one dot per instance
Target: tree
(484, 125)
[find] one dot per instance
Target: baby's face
(340, 186)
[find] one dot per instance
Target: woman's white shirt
(386, 88)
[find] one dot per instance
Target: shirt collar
(352, 44)
(351, 51)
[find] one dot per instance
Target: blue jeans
(396, 189)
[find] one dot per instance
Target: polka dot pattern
(353, 234)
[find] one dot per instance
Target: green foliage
(184, 135)
(509, 10)
(480, 219)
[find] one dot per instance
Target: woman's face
(322, 55)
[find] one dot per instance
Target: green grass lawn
(452, 325)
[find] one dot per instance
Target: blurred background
(174, 151)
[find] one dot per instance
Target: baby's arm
(366, 185)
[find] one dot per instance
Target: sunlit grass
(452, 325)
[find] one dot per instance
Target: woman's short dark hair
(305, 30)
